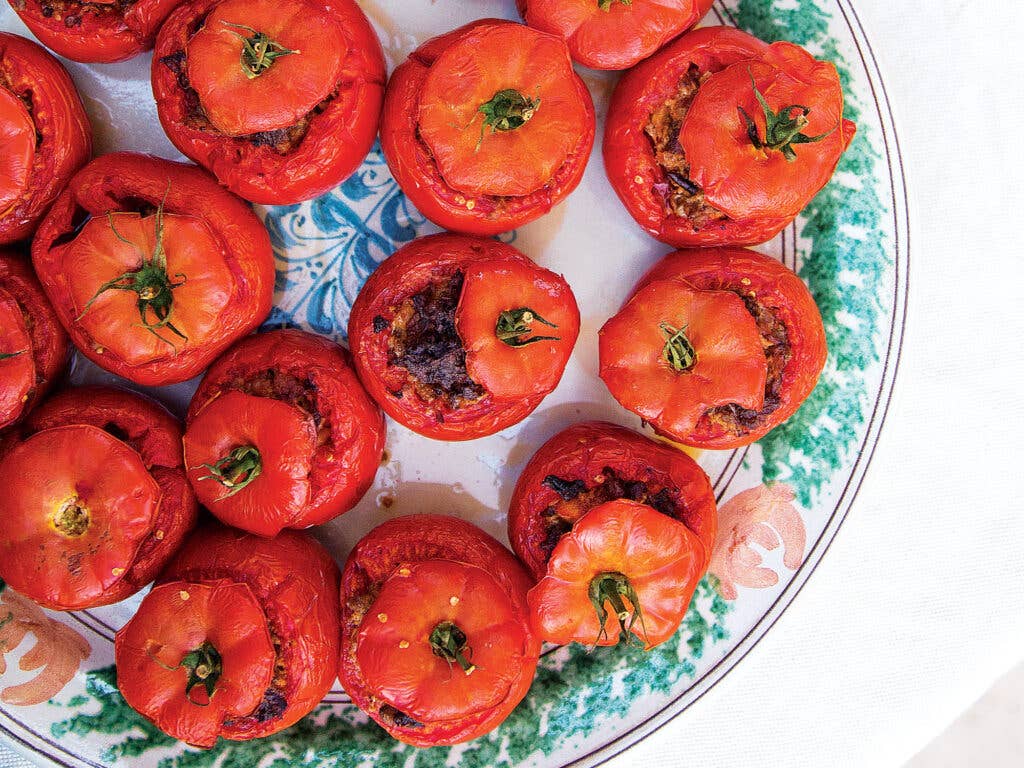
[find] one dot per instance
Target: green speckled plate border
(783, 500)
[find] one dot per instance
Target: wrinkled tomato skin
(99, 37)
(50, 346)
(30, 72)
(581, 453)
(336, 142)
(775, 286)
(293, 578)
(629, 155)
(344, 467)
(123, 181)
(149, 430)
(413, 539)
(416, 171)
(406, 272)
(612, 38)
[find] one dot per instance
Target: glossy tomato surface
(44, 132)
(282, 434)
(459, 337)
(33, 345)
(98, 498)
(715, 403)
(595, 462)
(238, 639)
(281, 127)
(487, 127)
(152, 267)
(99, 32)
(681, 155)
(613, 34)
(456, 576)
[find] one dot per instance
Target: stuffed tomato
(279, 99)
(97, 498)
(458, 337)
(436, 643)
(44, 133)
(238, 639)
(281, 434)
(153, 268)
(33, 345)
(613, 34)
(487, 127)
(721, 139)
(715, 348)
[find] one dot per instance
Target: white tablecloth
(919, 604)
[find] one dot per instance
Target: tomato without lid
(17, 148)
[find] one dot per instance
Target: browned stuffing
(279, 385)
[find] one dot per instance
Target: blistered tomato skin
(284, 128)
(33, 345)
(615, 34)
(166, 272)
(256, 613)
(281, 433)
(470, 598)
(594, 462)
(44, 131)
(718, 187)
(95, 32)
(99, 499)
(459, 337)
(488, 151)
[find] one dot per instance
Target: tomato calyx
(506, 110)
(678, 351)
(150, 281)
(611, 587)
(204, 666)
(514, 324)
(606, 5)
(72, 519)
(9, 355)
(782, 129)
(236, 470)
(259, 50)
(450, 643)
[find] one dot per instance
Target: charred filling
(397, 717)
(279, 385)
(777, 352)
(425, 342)
(679, 193)
(71, 12)
(274, 702)
(577, 497)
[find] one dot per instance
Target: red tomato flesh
(18, 371)
(17, 148)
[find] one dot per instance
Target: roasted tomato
(624, 570)
(592, 463)
(279, 99)
(154, 269)
(613, 34)
(238, 639)
(487, 127)
(281, 434)
(458, 337)
(33, 345)
(97, 498)
(44, 134)
(436, 644)
(715, 348)
(96, 31)
(721, 139)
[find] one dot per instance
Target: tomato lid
(263, 65)
(756, 160)
(672, 352)
(619, 555)
(195, 655)
(78, 504)
(501, 111)
(249, 459)
(441, 641)
(17, 148)
(518, 323)
(17, 362)
(116, 273)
